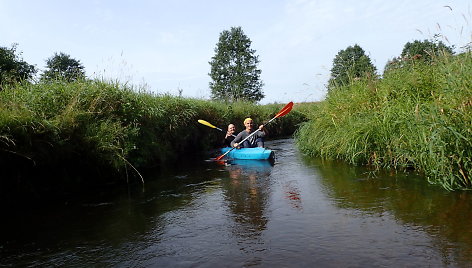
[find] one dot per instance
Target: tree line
(13, 69)
(352, 63)
(235, 76)
(234, 71)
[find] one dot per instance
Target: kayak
(257, 153)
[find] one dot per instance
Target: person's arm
(238, 138)
(263, 130)
(227, 141)
(229, 134)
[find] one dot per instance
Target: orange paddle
(287, 108)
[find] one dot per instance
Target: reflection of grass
(419, 116)
(405, 197)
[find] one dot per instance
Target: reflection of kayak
(250, 167)
(252, 163)
(257, 153)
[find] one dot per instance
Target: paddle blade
(223, 155)
(220, 157)
(203, 122)
(285, 110)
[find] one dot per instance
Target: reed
(416, 117)
(103, 127)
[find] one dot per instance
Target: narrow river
(297, 212)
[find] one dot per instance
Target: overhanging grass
(102, 127)
(418, 117)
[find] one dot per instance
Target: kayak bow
(257, 153)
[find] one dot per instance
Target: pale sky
(166, 45)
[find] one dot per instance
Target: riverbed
(295, 212)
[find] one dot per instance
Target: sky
(165, 46)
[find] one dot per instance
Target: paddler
(229, 135)
(256, 140)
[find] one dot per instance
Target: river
(296, 212)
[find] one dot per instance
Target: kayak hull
(257, 153)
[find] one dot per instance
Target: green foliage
(426, 51)
(234, 69)
(417, 117)
(350, 64)
(107, 128)
(62, 67)
(12, 67)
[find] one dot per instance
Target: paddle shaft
(224, 131)
(203, 122)
(287, 108)
(250, 135)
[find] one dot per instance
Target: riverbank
(89, 132)
(302, 210)
(415, 117)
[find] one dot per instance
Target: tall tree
(62, 66)
(350, 64)
(234, 69)
(12, 67)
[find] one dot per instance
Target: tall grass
(417, 117)
(96, 127)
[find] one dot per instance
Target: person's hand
(236, 145)
(261, 127)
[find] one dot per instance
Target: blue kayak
(257, 153)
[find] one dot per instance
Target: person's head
(248, 123)
(231, 128)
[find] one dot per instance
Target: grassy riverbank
(89, 129)
(416, 117)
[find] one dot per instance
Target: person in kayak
(229, 135)
(256, 140)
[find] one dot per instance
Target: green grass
(418, 117)
(89, 127)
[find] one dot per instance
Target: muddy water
(295, 212)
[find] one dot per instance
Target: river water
(296, 212)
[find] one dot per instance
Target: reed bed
(88, 128)
(416, 117)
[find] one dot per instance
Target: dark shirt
(228, 140)
(252, 140)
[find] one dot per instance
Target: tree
(12, 67)
(394, 63)
(234, 69)
(350, 64)
(426, 50)
(62, 66)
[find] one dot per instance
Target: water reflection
(293, 194)
(445, 216)
(246, 194)
(298, 212)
